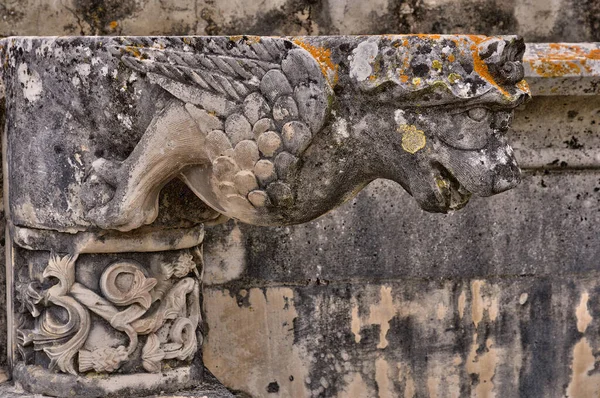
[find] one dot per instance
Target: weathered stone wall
(536, 20)
(379, 298)
(382, 299)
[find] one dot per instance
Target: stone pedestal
(92, 312)
(124, 315)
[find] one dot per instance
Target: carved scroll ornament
(166, 309)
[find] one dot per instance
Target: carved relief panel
(107, 314)
(61, 320)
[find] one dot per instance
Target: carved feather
(208, 64)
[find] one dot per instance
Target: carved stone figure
(276, 131)
(105, 264)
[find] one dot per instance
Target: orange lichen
(323, 57)
(563, 52)
(594, 54)
(133, 50)
(547, 68)
(482, 69)
(113, 25)
(428, 36)
(478, 39)
(523, 86)
(562, 59)
(252, 39)
(573, 66)
(403, 78)
(451, 58)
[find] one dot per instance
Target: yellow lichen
(413, 140)
(248, 40)
(441, 183)
(437, 65)
(453, 78)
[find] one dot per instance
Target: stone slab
(521, 336)
(563, 68)
(9, 391)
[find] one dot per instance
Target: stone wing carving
(256, 105)
(242, 80)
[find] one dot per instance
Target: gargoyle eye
(477, 114)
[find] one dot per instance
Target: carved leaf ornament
(124, 283)
(152, 355)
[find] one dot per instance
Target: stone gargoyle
(276, 131)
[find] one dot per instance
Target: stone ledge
(210, 389)
(553, 68)
(563, 68)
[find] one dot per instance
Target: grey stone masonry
(119, 151)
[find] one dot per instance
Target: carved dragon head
(451, 100)
(284, 129)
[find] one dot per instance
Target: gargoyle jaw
(443, 187)
(437, 190)
(454, 195)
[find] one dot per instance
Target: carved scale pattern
(272, 100)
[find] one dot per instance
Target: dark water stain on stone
(103, 15)
(273, 387)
